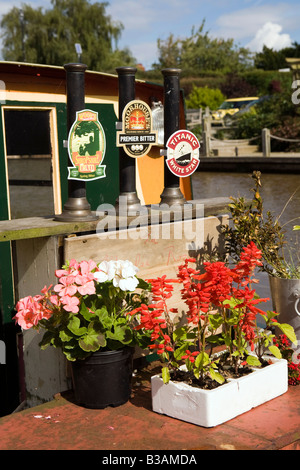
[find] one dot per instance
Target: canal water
(276, 191)
(280, 195)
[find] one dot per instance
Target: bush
(261, 80)
(236, 87)
(278, 114)
(289, 129)
(201, 97)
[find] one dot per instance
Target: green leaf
(86, 313)
(165, 373)
(47, 340)
(216, 376)
(253, 361)
(202, 360)
(120, 333)
(275, 351)
(106, 321)
(232, 302)
(189, 365)
(180, 351)
(215, 339)
(69, 356)
(93, 339)
(143, 284)
(101, 313)
(179, 333)
(75, 354)
(65, 336)
(215, 321)
(289, 331)
(74, 326)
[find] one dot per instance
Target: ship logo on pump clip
(183, 153)
(137, 136)
(86, 147)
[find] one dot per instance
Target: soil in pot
(226, 369)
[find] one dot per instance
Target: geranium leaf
(101, 313)
(74, 326)
(47, 340)
(65, 335)
(120, 333)
(92, 340)
(86, 313)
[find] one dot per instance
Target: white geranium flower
(107, 271)
(121, 272)
(125, 275)
(130, 283)
(128, 269)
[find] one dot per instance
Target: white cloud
(269, 35)
(242, 25)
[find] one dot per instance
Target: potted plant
(293, 359)
(280, 260)
(86, 315)
(197, 384)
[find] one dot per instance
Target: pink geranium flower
(87, 289)
(66, 286)
(70, 304)
(55, 300)
(72, 268)
(86, 267)
(30, 310)
(26, 315)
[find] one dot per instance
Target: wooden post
(207, 121)
(127, 198)
(77, 207)
(172, 193)
(206, 144)
(266, 142)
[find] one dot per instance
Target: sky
(251, 23)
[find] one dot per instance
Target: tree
(199, 53)
(269, 59)
(49, 37)
(169, 51)
(200, 97)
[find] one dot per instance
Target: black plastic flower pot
(103, 379)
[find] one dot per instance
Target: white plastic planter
(209, 408)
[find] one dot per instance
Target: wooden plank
(36, 227)
(35, 263)
(45, 371)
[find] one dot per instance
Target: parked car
(228, 119)
(230, 107)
